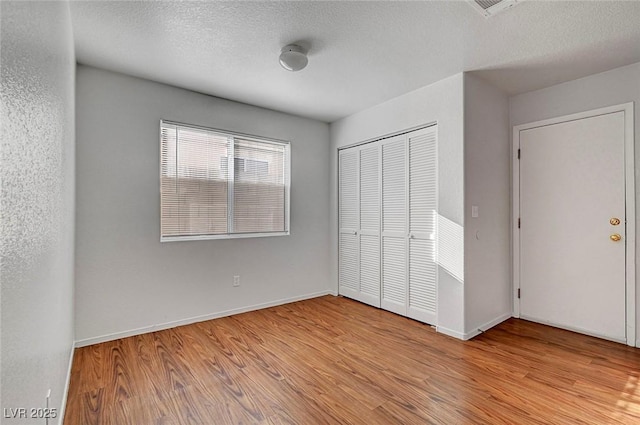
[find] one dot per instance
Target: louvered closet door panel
(370, 188)
(348, 190)
(348, 214)
(422, 281)
(423, 196)
(370, 224)
(348, 265)
(394, 207)
(370, 269)
(422, 224)
(394, 276)
(394, 225)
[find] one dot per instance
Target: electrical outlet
(236, 281)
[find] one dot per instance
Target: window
(215, 184)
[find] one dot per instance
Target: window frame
(231, 135)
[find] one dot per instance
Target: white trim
(630, 210)
(572, 329)
(628, 109)
(486, 326)
(287, 176)
(450, 332)
(202, 318)
(222, 236)
(65, 394)
(515, 216)
(388, 135)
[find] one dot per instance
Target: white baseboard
(574, 329)
(477, 331)
(486, 326)
(63, 405)
(450, 332)
(202, 318)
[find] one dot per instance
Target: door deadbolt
(614, 221)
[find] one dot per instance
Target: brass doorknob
(614, 221)
(615, 237)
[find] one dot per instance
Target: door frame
(630, 206)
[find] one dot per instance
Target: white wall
(441, 102)
(126, 280)
(37, 225)
(487, 241)
(613, 87)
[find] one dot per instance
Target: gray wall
(613, 87)
(128, 282)
(441, 102)
(37, 172)
(487, 176)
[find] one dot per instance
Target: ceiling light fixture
(293, 58)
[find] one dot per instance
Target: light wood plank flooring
(331, 360)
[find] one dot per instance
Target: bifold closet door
(387, 229)
(422, 224)
(394, 225)
(369, 232)
(348, 216)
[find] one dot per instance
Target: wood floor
(335, 361)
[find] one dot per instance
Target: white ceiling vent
(492, 7)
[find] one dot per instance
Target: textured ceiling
(361, 53)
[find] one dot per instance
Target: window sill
(225, 236)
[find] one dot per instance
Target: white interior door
(394, 225)
(348, 217)
(369, 233)
(423, 199)
(572, 188)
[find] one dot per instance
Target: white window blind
(216, 184)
